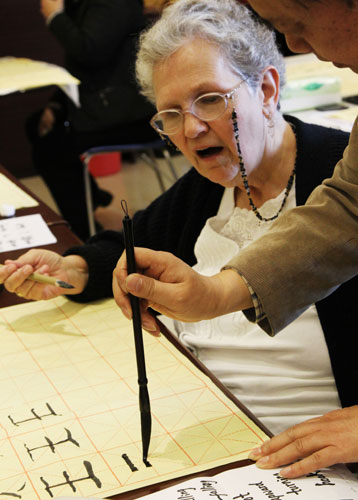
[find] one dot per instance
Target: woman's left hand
(316, 443)
(72, 268)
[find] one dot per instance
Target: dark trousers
(56, 158)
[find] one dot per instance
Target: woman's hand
(173, 288)
(316, 443)
(72, 269)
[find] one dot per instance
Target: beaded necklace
(246, 184)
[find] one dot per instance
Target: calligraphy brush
(144, 403)
(49, 280)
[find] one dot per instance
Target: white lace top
(282, 380)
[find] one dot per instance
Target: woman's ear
(270, 89)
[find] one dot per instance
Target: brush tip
(63, 284)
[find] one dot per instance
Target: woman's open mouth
(207, 152)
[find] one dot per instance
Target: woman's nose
(193, 126)
(298, 44)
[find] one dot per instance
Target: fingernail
(286, 472)
(263, 462)
(255, 453)
(134, 283)
(149, 326)
(10, 267)
(127, 313)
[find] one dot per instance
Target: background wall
(23, 33)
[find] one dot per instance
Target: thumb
(141, 286)
(157, 294)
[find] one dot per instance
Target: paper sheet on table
(251, 483)
(19, 74)
(11, 194)
(69, 405)
(24, 232)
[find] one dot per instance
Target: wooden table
(66, 239)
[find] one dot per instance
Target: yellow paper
(11, 194)
(17, 74)
(70, 420)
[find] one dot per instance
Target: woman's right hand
(72, 269)
(174, 289)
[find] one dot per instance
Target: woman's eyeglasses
(207, 107)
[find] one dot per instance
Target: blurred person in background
(99, 39)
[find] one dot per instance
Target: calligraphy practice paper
(70, 419)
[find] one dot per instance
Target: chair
(146, 151)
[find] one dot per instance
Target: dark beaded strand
(245, 181)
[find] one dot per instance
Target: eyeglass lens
(207, 107)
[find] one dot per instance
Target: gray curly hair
(247, 43)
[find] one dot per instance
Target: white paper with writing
(24, 232)
(251, 483)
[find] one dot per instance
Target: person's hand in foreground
(72, 269)
(316, 443)
(173, 288)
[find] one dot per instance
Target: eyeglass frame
(226, 96)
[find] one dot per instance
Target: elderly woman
(214, 74)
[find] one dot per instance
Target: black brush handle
(144, 402)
